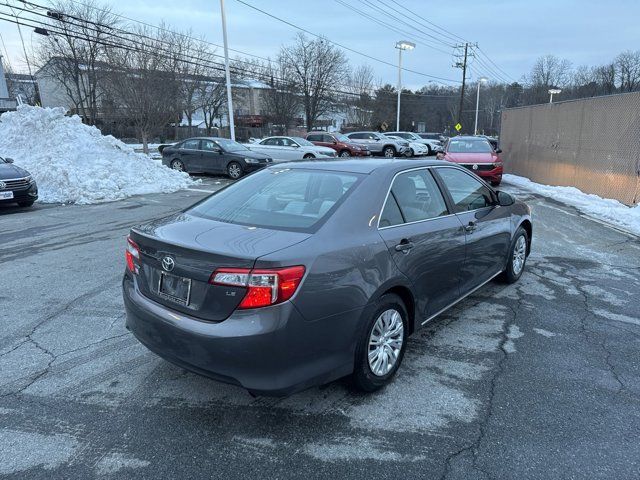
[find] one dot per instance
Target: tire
(344, 153)
(177, 165)
(308, 156)
(495, 184)
(234, 170)
(514, 268)
(429, 151)
(365, 377)
(411, 153)
(389, 152)
(25, 204)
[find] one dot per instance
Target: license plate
(6, 195)
(176, 289)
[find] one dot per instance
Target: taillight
(264, 287)
(132, 255)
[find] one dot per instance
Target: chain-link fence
(592, 144)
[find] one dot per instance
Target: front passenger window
(467, 192)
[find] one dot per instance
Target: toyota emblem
(2, 185)
(168, 263)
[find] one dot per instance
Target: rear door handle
(404, 246)
(471, 227)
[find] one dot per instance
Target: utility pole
(463, 66)
(226, 71)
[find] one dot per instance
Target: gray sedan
(303, 273)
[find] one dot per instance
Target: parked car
(378, 144)
(476, 154)
(416, 149)
(433, 145)
(434, 136)
(16, 184)
(291, 148)
(306, 272)
(213, 155)
(340, 143)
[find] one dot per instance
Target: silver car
(378, 144)
(290, 148)
(432, 144)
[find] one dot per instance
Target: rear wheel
(389, 152)
(177, 165)
(429, 151)
(234, 170)
(517, 257)
(345, 153)
(382, 344)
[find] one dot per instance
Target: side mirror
(498, 150)
(504, 199)
(335, 142)
(295, 145)
(9, 160)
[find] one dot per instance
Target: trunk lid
(198, 247)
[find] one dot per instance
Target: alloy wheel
(345, 154)
(235, 171)
(385, 342)
(389, 152)
(177, 165)
(519, 255)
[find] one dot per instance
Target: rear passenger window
(191, 144)
(414, 196)
(314, 138)
(467, 192)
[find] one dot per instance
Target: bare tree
(142, 79)
(359, 105)
(282, 103)
(73, 52)
(213, 100)
(550, 70)
(316, 67)
(628, 64)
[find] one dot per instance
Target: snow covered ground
(75, 163)
(605, 209)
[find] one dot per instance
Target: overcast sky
(513, 33)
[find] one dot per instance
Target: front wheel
(382, 344)
(429, 151)
(389, 152)
(308, 156)
(517, 257)
(234, 170)
(345, 153)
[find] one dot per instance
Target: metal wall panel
(592, 144)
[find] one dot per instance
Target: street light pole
(401, 45)
(553, 91)
(226, 71)
(480, 80)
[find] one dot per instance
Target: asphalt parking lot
(540, 379)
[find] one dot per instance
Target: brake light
(264, 286)
(132, 254)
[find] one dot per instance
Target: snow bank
(605, 209)
(75, 163)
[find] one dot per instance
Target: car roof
(359, 166)
(468, 137)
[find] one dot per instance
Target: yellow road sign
(458, 127)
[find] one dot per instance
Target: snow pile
(75, 163)
(605, 209)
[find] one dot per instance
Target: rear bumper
(271, 351)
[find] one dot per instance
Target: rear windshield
(282, 198)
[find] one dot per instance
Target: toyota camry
(303, 273)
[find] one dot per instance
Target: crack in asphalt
(52, 356)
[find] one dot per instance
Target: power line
(341, 45)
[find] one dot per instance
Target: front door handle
(404, 246)
(471, 227)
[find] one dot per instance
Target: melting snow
(606, 209)
(75, 163)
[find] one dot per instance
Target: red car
(476, 154)
(340, 143)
